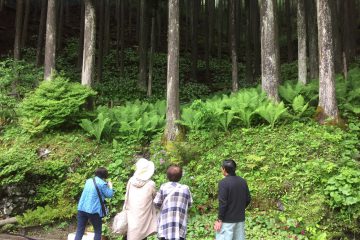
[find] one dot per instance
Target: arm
(106, 190)
(158, 199)
(248, 196)
(223, 201)
(190, 198)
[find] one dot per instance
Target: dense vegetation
(304, 177)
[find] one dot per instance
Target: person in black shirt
(234, 197)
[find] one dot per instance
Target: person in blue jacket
(89, 207)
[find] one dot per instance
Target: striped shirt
(173, 199)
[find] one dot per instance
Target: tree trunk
(194, 38)
(255, 22)
(151, 57)
(207, 40)
(87, 75)
(60, 22)
(40, 40)
(270, 64)
(24, 34)
(211, 25)
(138, 9)
(233, 50)
(50, 42)
(288, 30)
(18, 29)
(81, 38)
(173, 106)
(301, 29)
(107, 36)
(327, 97)
(313, 40)
(219, 33)
(336, 36)
(158, 20)
(248, 45)
(143, 45)
(100, 57)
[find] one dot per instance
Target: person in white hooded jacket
(140, 193)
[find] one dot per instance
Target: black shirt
(234, 197)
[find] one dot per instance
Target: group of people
(165, 211)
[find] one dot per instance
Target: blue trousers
(82, 219)
(231, 231)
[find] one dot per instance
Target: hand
(217, 225)
(110, 184)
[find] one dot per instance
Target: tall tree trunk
(158, 20)
(194, 38)
(88, 65)
(207, 40)
(187, 24)
(327, 97)
(130, 19)
(219, 26)
(40, 39)
(18, 29)
(270, 63)
(248, 45)
(143, 45)
(101, 27)
(81, 38)
(288, 30)
(24, 34)
(107, 36)
(336, 35)
(313, 40)
(118, 31)
(301, 30)
(50, 41)
(255, 22)
(151, 57)
(122, 36)
(138, 20)
(60, 22)
(172, 96)
(234, 71)
(211, 25)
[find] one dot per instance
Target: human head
(174, 173)
(229, 166)
(102, 173)
(144, 169)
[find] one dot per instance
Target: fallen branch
(8, 221)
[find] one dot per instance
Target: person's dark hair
(102, 173)
(174, 173)
(230, 166)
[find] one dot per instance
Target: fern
(192, 119)
(98, 127)
(299, 106)
(271, 112)
(289, 91)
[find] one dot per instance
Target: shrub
(52, 104)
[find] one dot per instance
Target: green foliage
(272, 112)
(97, 127)
(299, 106)
(52, 104)
(289, 91)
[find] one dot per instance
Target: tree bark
(100, 57)
(107, 36)
(50, 42)
(233, 50)
(327, 96)
(60, 27)
(173, 105)
(248, 45)
(207, 40)
(18, 29)
(151, 57)
(336, 35)
(194, 38)
(270, 63)
(87, 75)
(288, 30)
(81, 38)
(301, 30)
(24, 34)
(143, 46)
(313, 40)
(40, 40)
(219, 26)
(255, 25)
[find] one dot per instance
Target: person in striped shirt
(173, 199)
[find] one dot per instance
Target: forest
(272, 84)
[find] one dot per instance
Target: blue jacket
(89, 200)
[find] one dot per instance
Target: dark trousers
(82, 219)
(125, 238)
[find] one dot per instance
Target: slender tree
(194, 37)
(81, 38)
(312, 39)
(18, 29)
(40, 39)
(25, 26)
(60, 22)
(233, 48)
(106, 27)
(255, 25)
(88, 65)
(100, 58)
(270, 63)
(327, 97)
(50, 41)
(288, 30)
(248, 44)
(151, 57)
(142, 79)
(172, 96)
(301, 30)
